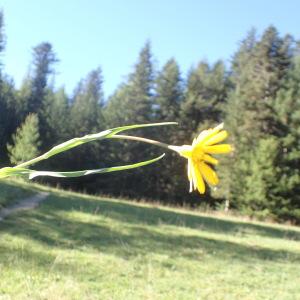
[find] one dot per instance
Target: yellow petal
(217, 149)
(210, 159)
(184, 150)
(217, 138)
(208, 173)
(207, 134)
(200, 185)
(203, 134)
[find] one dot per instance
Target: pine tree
(35, 87)
(86, 110)
(205, 96)
(169, 92)
(55, 114)
(44, 59)
(86, 117)
(2, 36)
(26, 141)
(257, 73)
(261, 181)
(141, 88)
(287, 108)
(3, 104)
(23, 95)
(132, 103)
(7, 99)
(8, 115)
(168, 98)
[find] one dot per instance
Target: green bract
(20, 169)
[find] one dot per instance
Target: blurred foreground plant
(197, 155)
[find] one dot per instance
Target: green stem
(117, 136)
(31, 162)
(144, 140)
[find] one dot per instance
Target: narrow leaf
(86, 139)
(16, 171)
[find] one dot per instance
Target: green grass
(11, 192)
(81, 247)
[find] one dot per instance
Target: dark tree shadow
(47, 225)
(135, 214)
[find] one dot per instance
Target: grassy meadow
(76, 246)
(11, 192)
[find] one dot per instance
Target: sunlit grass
(81, 247)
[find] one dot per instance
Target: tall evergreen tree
(8, 115)
(132, 103)
(2, 36)
(55, 114)
(287, 109)
(3, 104)
(32, 95)
(205, 96)
(169, 92)
(26, 141)
(86, 117)
(44, 59)
(86, 110)
(257, 73)
(7, 97)
(168, 98)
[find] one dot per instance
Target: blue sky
(89, 33)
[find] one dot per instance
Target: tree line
(257, 96)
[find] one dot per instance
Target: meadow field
(75, 246)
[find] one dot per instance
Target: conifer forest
(256, 93)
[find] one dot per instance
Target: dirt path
(28, 203)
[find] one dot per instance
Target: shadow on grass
(28, 255)
(131, 237)
(11, 192)
(134, 214)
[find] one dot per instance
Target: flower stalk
(140, 139)
(198, 155)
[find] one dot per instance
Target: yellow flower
(199, 158)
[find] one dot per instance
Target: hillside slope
(82, 247)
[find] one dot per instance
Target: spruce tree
(258, 70)
(167, 101)
(55, 114)
(86, 117)
(44, 59)
(205, 97)
(8, 114)
(7, 100)
(169, 92)
(35, 87)
(287, 109)
(261, 179)
(3, 104)
(132, 103)
(26, 141)
(86, 109)
(2, 36)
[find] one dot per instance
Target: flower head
(199, 158)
